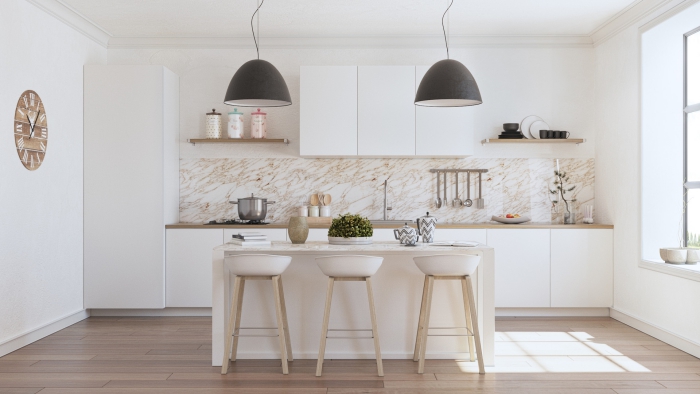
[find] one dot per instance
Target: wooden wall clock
(31, 130)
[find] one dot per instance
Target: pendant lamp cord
(443, 28)
(253, 29)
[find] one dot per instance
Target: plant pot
(693, 256)
(674, 255)
(298, 229)
(350, 241)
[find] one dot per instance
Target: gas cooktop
(238, 221)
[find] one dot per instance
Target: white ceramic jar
(213, 124)
(235, 124)
(258, 124)
(313, 211)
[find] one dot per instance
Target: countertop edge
(384, 226)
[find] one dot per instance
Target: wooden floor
(173, 355)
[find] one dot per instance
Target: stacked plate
(531, 126)
(511, 132)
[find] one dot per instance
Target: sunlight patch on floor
(555, 352)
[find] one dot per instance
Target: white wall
(660, 299)
(555, 83)
(41, 237)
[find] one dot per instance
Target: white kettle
(426, 227)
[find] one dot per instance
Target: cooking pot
(252, 208)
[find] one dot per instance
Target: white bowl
(350, 241)
(674, 255)
(693, 256)
(448, 264)
(349, 265)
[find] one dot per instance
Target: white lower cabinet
(273, 234)
(188, 266)
(582, 268)
(522, 267)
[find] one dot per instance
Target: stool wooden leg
(231, 322)
(472, 308)
(280, 324)
(238, 319)
(324, 329)
(416, 351)
(287, 340)
(375, 332)
(468, 317)
(426, 324)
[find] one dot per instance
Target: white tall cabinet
(131, 161)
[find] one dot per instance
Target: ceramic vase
(298, 229)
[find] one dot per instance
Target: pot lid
(428, 218)
(235, 112)
(252, 197)
(258, 112)
(213, 112)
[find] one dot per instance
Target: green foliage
(349, 226)
(693, 240)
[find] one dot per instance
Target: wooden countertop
(486, 225)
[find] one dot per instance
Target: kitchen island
(397, 288)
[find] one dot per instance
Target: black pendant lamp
(448, 83)
(257, 83)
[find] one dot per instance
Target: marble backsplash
(356, 186)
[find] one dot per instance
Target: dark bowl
(511, 126)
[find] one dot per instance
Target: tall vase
(298, 229)
(570, 215)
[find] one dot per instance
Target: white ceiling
(334, 18)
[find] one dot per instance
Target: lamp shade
(448, 83)
(257, 83)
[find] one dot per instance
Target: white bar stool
(448, 267)
(257, 267)
(349, 268)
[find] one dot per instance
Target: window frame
(687, 109)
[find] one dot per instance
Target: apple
(510, 216)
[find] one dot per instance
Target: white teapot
(426, 227)
(407, 235)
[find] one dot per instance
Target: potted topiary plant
(350, 230)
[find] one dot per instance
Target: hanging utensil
(456, 202)
(444, 188)
(468, 202)
(438, 201)
(480, 201)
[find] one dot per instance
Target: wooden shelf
(195, 141)
(533, 141)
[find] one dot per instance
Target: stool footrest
(350, 337)
(349, 329)
(253, 335)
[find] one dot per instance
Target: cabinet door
(273, 234)
(443, 131)
(328, 118)
(522, 267)
(317, 234)
(459, 234)
(386, 114)
(188, 266)
(582, 268)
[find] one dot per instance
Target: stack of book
(250, 238)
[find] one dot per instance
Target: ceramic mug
(561, 134)
(543, 134)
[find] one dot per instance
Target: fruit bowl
(505, 220)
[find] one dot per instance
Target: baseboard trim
(35, 334)
(678, 341)
(184, 312)
(551, 312)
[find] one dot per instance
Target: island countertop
(484, 225)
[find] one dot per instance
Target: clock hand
(31, 127)
(34, 125)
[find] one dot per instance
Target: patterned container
(258, 124)
(213, 124)
(235, 124)
(426, 224)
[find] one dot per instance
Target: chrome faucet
(386, 182)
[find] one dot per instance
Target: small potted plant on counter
(350, 230)
(690, 254)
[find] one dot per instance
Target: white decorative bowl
(674, 255)
(350, 241)
(504, 220)
(693, 256)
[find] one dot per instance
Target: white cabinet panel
(328, 118)
(582, 268)
(522, 267)
(386, 114)
(188, 266)
(443, 131)
(458, 234)
(273, 234)
(317, 234)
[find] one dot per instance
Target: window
(692, 138)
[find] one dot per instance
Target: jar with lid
(213, 124)
(235, 124)
(258, 124)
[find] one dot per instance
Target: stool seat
(349, 265)
(448, 265)
(258, 264)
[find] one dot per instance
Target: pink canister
(258, 124)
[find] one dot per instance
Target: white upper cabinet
(443, 131)
(386, 117)
(328, 119)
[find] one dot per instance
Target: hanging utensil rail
(483, 171)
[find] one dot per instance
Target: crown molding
(74, 19)
(435, 41)
(630, 15)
